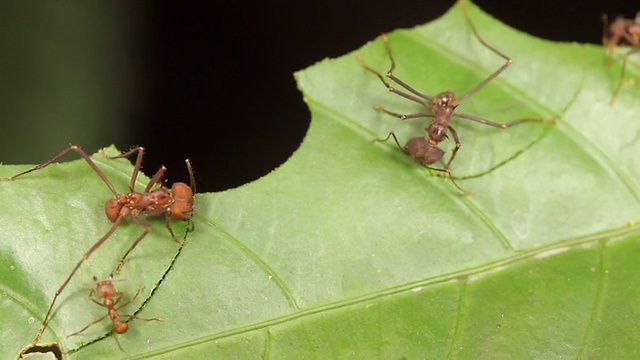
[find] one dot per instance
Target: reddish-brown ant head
(422, 151)
(182, 206)
(446, 102)
(112, 208)
(119, 326)
(104, 289)
(445, 97)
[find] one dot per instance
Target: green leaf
(351, 249)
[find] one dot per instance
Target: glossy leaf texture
(350, 248)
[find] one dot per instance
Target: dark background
(230, 67)
(217, 78)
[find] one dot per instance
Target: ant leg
(606, 41)
(391, 134)
(82, 154)
(192, 184)
(119, 296)
(423, 99)
(147, 229)
(167, 224)
(453, 155)
(621, 79)
(133, 298)
(64, 284)
(133, 316)
(502, 68)
(447, 174)
(91, 293)
(138, 165)
(503, 125)
(191, 176)
(88, 326)
(390, 75)
(118, 343)
(157, 177)
(402, 116)
(455, 150)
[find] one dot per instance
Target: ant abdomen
(422, 151)
(119, 326)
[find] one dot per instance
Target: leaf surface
(351, 248)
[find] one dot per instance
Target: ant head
(445, 98)
(182, 206)
(113, 207)
(422, 151)
(105, 289)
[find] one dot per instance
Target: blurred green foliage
(69, 74)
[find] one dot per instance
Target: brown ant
(106, 291)
(441, 108)
(621, 31)
(176, 203)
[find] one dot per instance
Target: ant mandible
(106, 291)
(176, 203)
(621, 31)
(441, 107)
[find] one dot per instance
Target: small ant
(621, 31)
(106, 291)
(441, 108)
(176, 203)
